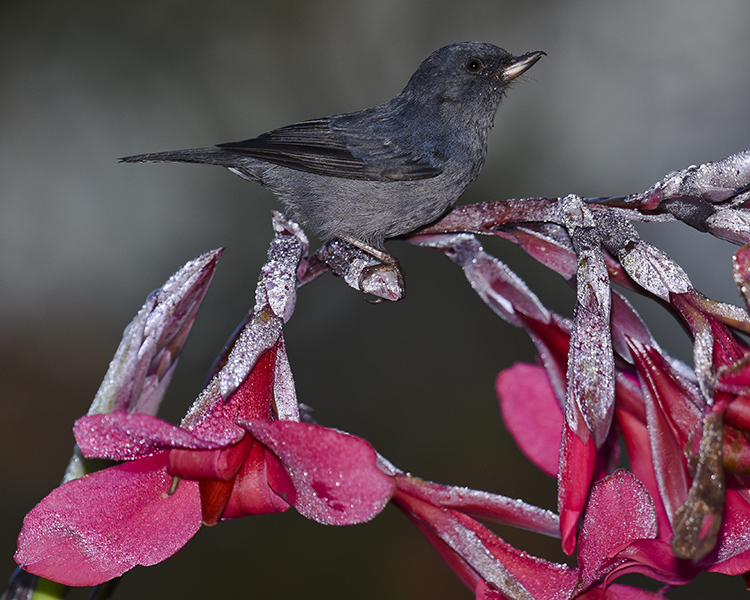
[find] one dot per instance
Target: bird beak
(520, 64)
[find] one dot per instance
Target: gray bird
(385, 171)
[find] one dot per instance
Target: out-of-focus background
(628, 92)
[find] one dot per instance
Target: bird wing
(338, 147)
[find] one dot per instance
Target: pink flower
(707, 505)
(692, 526)
(657, 419)
(483, 561)
(620, 516)
(241, 450)
(142, 511)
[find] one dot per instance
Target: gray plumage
(385, 171)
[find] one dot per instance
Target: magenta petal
(124, 436)
(617, 591)
(438, 526)
(546, 249)
(654, 559)
(219, 463)
(671, 415)
(243, 389)
(627, 324)
(577, 462)
(334, 474)
(541, 579)
(619, 512)
(95, 528)
(482, 505)
(737, 413)
(636, 439)
(261, 487)
(501, 289)
(733, 550)
(475, 553)
(531, 414)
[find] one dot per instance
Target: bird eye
(474, 65)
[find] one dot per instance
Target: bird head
(470, 78)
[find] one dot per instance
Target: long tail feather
(210, 156)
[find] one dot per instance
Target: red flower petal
(220, 463)
(671, 415)
(531, 414)
(577, 462)
(243, 389)
(619, 512)
(542, 580)
(590, 387)
(125, 436)
(635, 437)
(620, 592)
(335, 475)
(482, 505)
(215, 494)
(732, 553)
(655, 559)
(95, 528)
(475, 554)
(253, 493)
(737, 413)
(143, 365)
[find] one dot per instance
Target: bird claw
(377, 274)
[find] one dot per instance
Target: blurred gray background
(629, 92)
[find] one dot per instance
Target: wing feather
(337, 147)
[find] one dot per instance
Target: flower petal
(654, 559)
(632, 423)
(335, 475)
(591, 369)
(576, 471)
(617, 591)
(737, 413)
(475, 553)
(532, 414)
(95, 528)
(125, 436)
(248, 374)
(732, 554)
(619, 512)
(671, 415)
(482, 505)
(219, 463)
(500, 288)
(261, 487)
(542, 579)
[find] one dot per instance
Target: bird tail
(210, 156)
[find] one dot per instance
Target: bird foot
(384, 281)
